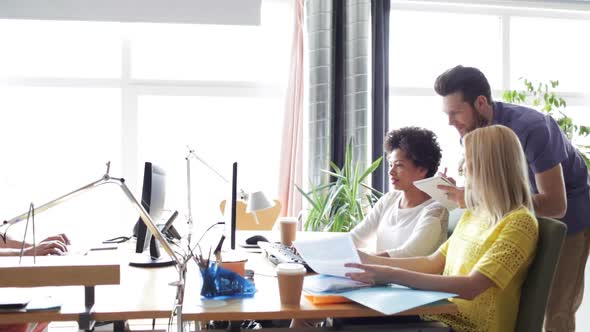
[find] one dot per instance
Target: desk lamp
(256, 201)
(105, 179)
(181, 262)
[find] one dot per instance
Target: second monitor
(153, 197)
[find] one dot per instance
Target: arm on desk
(467, 287)
(53, 245)
(433, 264)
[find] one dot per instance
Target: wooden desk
(265, 305)
(145, 293)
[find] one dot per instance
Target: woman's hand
(59, 237)
(372, 274)
(364, 256)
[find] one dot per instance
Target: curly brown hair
(419, 144)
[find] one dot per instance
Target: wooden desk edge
(341, 311)
(66, 275)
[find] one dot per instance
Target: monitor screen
(153, 197)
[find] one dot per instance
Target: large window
(75, 95)
(505, 43)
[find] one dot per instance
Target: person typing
(52, 245)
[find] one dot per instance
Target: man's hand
(456, 194)
(444, 175)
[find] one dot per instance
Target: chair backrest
(454, 217)
(537, 285)
(246, 221)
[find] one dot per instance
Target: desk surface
(145, 293)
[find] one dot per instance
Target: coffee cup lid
(291, 269)
(288, 219)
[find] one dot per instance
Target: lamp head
(257, 201)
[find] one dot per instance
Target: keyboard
(277, 253)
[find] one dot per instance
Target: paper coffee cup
(288, 230)
(290, 277)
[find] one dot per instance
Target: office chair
(245, 221)
(454, 217)
(537, 285)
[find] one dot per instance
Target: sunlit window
(69, 107)
(540, 52)
(60, 49)
(221, 131)
(424, 44)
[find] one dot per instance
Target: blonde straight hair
(497, 180)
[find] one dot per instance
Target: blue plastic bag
(219, 283)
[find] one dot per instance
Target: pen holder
(220, 283)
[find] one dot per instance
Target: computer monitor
(234, 197)
(153, 197)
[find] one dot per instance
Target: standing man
(558, 176)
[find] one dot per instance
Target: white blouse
(416, 231)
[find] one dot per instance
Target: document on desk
(328, 255)
(320, 283)
(391, 299)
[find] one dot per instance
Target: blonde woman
(486, 259)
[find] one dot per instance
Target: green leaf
(371, 168)
(343, 202)
(533, 93)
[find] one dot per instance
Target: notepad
(429, 186)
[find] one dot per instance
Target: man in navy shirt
(557, 173)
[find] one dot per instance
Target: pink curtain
(291, 167)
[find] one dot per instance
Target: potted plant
(341, 204)
(541, 96)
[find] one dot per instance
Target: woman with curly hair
(406, 221)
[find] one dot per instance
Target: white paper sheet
(328, 255)
(319, 283)
(429, 186)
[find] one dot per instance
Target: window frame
(505, 10)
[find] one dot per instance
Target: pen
(217, 251)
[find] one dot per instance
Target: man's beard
(480, 121)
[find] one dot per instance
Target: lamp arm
(55, 202)
(192, 154)
(145, 217)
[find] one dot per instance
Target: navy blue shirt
(545, 146)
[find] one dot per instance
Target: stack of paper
(327, 256)
(322, 283)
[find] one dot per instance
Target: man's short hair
(471, 82)
(418, 144)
